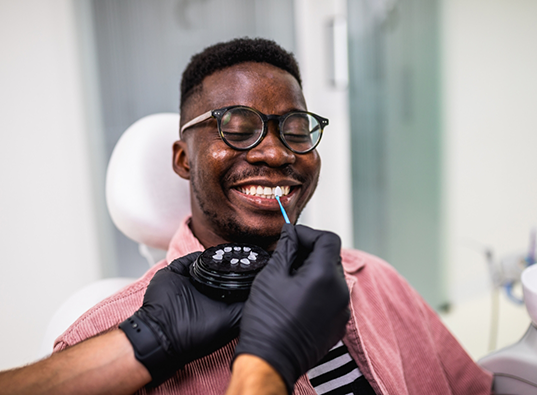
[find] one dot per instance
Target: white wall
(48, 241)
(490, 147)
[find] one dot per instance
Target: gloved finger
(307, 237)
(325, 250)
(235, 313)
(181, 265)
(286, 249)
(318, 242)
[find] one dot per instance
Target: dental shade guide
(226, 272)
(278, 193)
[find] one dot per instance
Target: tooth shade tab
(277, 191)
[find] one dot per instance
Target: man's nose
(271, 150)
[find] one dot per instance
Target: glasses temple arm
(194, 121)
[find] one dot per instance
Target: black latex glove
(298, 305)
(177, 324)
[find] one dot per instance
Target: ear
(181, 163)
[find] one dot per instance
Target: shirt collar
(183, 242)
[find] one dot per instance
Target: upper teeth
(265, 192)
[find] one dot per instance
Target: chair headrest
(146, 199)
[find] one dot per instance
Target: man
(242, 117)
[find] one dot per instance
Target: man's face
(222, 178)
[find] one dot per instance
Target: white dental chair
(146, 201)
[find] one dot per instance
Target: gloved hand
(298, 305)
(177, 324)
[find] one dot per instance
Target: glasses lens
(241, 127)
(301, 131)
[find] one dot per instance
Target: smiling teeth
(264, 192)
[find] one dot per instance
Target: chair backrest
(76, 305)
(146, 201)
(145, 197)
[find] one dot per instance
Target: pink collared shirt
(396, 339)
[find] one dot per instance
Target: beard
(231, 228)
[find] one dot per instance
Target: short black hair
(226, 54)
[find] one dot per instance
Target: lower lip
(264, 203)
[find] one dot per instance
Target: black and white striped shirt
(338, 374)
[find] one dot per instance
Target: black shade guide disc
(226, 271)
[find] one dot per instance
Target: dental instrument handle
(285, 217)
(277, 194)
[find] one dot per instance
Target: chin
(263, 237)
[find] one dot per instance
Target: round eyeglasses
(242, 128)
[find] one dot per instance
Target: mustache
(287, 172)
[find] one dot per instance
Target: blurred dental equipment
(515, 366)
